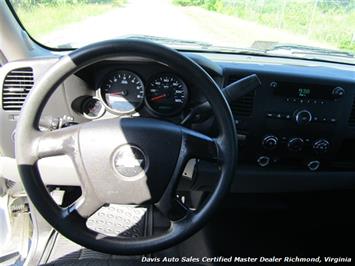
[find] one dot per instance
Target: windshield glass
(316, 29)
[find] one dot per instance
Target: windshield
(315, 29)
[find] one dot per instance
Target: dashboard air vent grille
(244, 106)
(352, 115)
(17, 85)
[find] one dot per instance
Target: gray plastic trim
(58, 170)
(36, 98)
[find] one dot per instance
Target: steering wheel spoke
(58, 142)
(169, 205)
(65, 141)
(193, 145)
(198, 145)
(85, 206)
(173, 209)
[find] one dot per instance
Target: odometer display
(122, 91)
(166, 94)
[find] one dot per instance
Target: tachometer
(166, 95)
(122, 91)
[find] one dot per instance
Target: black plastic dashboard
(296, 132)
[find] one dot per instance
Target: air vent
(17, 85)
(244, 106)
(352, 115)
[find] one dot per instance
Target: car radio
(305, 103)
(299, 124)
(306, 92)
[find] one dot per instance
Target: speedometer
(122, 91)
(166, 94)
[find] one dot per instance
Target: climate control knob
(313, 165)
(321, 146)
(263, 161)
(270, 142)
(295, 144)
(303, 117)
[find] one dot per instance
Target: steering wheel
(164, 149)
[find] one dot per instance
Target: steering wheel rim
(32, 145)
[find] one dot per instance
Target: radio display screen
(307, 91)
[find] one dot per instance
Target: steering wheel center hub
(129, 162)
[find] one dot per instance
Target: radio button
(303, 117)
(338, 92)
(273, 84)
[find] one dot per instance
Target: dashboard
(296, 132)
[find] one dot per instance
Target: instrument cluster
(123, 92)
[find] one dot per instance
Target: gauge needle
(156, 98)
(120, 93)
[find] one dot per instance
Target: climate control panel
(304, 151)
(295, 144)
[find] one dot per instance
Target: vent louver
(352, 115)
(244, 106)
(17, 84)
